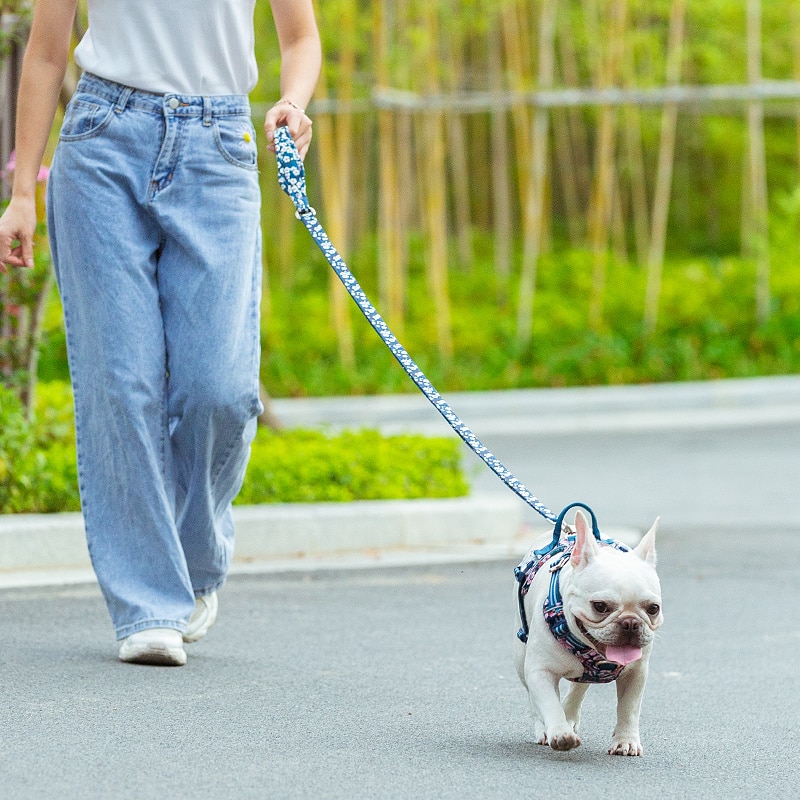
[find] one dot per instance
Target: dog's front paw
(625, 746)
(563, 738)
(540, 734)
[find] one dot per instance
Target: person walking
(153, 208)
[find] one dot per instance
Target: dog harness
(596, 669)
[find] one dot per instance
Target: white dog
(588, 611)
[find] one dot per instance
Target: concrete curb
(728, 403)
(46, 549)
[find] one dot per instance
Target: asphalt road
(399, 684)
(744, 476)
(697, 454)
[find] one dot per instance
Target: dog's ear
(646, 549)
(585, 545)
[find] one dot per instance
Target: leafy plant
(37, 464)
(16, 443)
(17, 20)
(38, 471)
(312, 466)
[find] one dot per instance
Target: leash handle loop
(560, 522)
(291, 177)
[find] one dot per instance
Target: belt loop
(206, 111)
(122, 100)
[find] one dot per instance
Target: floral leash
(292, 179)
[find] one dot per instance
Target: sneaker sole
(155, 655)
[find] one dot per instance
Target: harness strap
(525, 572)
(596, 668)
(291, 176)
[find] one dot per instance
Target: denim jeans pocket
(236, 141)
(86, 116)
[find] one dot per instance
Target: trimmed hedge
(304, 466)
(37, 462)
(38, 472)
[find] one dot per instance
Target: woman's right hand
(17, 226)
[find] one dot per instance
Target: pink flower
(44, 172)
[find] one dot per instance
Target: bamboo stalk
(363, 210)
(619, 236)
(519, 79)
(459, 172)
(758, 166)
(458, 160)
(666, 159)
(500, 183)
(605, 215)
(343, 123)
(566, 165)
(605, 166)
(336, 221)
(635, 161)
(391, 284)
(434, 192)
(286, 243)
(638, 183)
(482, 172)
(534, 205)
(340, 304)
(567, 177)
(795, 22)
(578, 136)
(746, 208)
(404, 135)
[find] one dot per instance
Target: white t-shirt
(196, 47)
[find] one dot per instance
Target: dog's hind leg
(572, 703)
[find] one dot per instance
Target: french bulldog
(600, 629)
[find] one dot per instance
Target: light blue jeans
(153, 209)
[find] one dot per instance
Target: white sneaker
(203, 617)
(160, 646)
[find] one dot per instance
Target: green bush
(16, 443)
(311, 466)
(37, 461)
(38, 472)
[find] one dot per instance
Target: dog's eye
(653, 609)
(600, 607)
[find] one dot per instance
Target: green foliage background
(707, 323)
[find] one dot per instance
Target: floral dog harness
(596, 669)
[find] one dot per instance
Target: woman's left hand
(287, 113)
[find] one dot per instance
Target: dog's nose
(630, 624)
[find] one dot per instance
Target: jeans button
(173, 103)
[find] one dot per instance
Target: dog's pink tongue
(623, 655)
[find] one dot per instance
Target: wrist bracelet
(289, 102)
